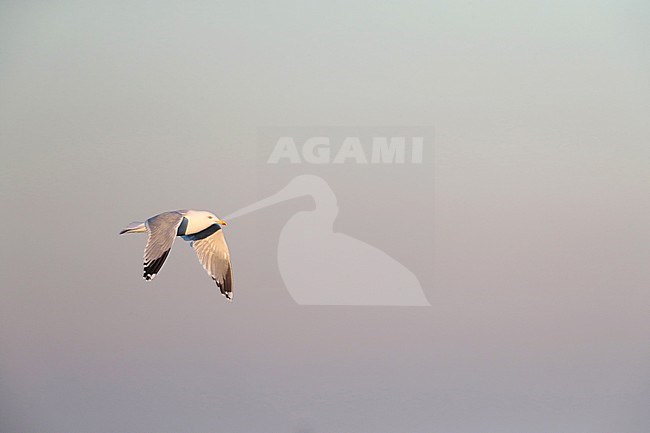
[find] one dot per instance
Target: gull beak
(222, 223)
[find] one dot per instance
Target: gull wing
(213, 254)
(162, 232)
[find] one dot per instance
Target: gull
(201, 228)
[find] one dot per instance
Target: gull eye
(209, 217)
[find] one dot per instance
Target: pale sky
(115, 111)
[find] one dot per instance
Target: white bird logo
(321, 267)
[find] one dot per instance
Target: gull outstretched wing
(214, 256)
(162, 232)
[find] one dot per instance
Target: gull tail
(134, 227)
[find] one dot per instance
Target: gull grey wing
(162, 232)
(214, 256)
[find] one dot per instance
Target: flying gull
(201, 228)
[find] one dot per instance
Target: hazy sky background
(115, 111)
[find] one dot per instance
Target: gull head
(200, 220)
